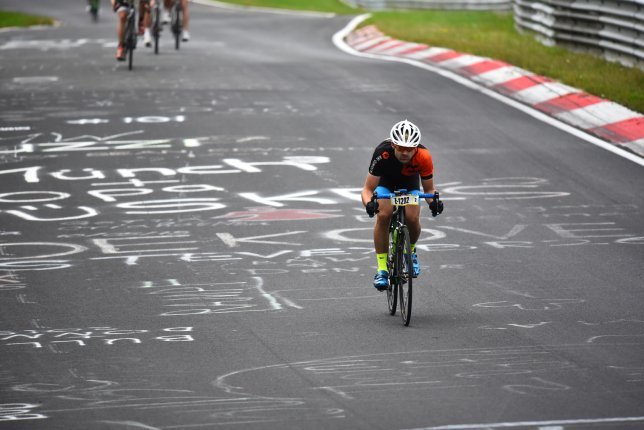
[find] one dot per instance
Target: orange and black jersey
(394, 174)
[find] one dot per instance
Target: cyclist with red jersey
(399, 162)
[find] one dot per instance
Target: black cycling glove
(436, 206)
(372, 208)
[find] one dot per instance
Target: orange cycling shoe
(120, 53)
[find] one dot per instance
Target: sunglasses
(404, 148)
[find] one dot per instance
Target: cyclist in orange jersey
(399, 162)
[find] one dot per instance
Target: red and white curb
(606, 120)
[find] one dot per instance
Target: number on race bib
(404, 200)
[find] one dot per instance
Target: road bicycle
(176, 22)
(156, 25)
(93, 9)
(131, 32)
(399, 260)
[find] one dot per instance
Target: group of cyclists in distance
(145, 21)
(398, 163)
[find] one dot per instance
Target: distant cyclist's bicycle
(399, 261)
(176, 22)
(156, 25)
(130, 36)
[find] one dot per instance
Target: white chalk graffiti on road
(77, 337)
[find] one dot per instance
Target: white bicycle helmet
(404, 133)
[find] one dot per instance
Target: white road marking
(129, 424)
(532, 424)
(271, 299)
(35, 79)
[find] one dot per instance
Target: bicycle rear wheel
(129, 46)
(404, 274)
(130, 38)
(130, 58)
(177, 24)
(156, 26)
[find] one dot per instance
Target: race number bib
(405, 200)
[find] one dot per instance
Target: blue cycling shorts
(380, 190)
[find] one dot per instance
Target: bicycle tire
(177, 24)
(404, 274)
(156, 27)
(130, 59)
(130, 41)
(392, 291)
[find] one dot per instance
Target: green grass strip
(17, 19)
(492, 34)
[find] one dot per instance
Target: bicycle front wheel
(392, 291)
(404, 274)
(130, 53)
(130, 40)
(156, 27)
(177, 26)
(392, 295)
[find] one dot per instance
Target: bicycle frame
(399, 213)
(399, 261)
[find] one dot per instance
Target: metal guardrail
(612, 29)
(432, 4)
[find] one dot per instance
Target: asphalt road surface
(183, 246)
